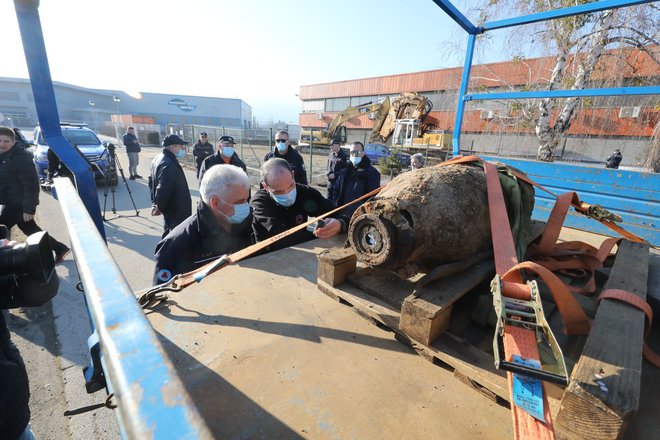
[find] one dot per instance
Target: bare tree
(579, 43)
(651, 157)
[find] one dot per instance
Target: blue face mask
(287, 199)
(241, 212)
(181, 153)
(228, 151)
(356, 160)
(281, 147)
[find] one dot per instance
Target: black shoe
(137, 176)
(59, 256)
(131, 178)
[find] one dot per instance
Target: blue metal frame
(152, 401)
(563, 12)
(46, 105)
(611, 91)
(473, 30)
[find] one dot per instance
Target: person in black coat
(337, 160)
(170, 195)
(614, 160)
(357, 179)
(17, 291)
(225, 155)
(221, 225)
(284, 150)
(19, 190)
(282, 204)
(201, 150)
(133, 149)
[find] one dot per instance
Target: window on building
(359, 100)
(313, 106)
(337, 104)
(8, 96)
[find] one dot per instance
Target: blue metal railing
(473, 30)
(46, 105)
(152, 402)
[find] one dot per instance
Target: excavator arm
(353, 112)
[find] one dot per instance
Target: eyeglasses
(355, 152)
(281, 140)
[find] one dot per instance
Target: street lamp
(117, 101)
(92, 104)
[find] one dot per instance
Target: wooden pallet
(436, 323)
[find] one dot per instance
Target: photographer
(19, 190)
(18, 289)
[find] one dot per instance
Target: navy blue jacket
(169, 189)
(354, 182)
(201, 151)
(295, 160)
(196, 241)
(131, 143)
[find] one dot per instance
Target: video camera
(111, 149)
(27, 272)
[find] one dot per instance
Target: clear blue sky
(261, 51)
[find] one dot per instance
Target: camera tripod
(111, 179)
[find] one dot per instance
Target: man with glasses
(225, 155)
(222, 225)
(133, 149)
(282, 204)
(357, 179)
(284, 150)
(201, 150)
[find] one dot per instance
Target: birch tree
(578, 44)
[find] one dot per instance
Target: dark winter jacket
(19, 184)
(131, 143)
(354, 182)
(15, 394)
(336, 163)
(270, 219)
(14, 386)
(169, 189)
(216, 159)
(196, 241)
(295, 160)
(201, 151)
(614, 160)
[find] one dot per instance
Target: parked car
(375, 152)
(79, 135)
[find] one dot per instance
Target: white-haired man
(221, 225)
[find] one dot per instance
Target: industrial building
(495, 127)
(96, 107)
